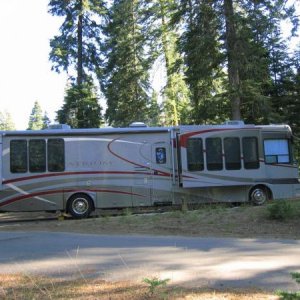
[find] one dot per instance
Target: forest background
(222, 59)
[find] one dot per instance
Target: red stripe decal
(38, 194)
(157, 172)
(184, 137)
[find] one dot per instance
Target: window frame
(232, 165)
(215, 165)
(25, 155)
(49, 153)
(24, 158)
(255, 164)
(199, 154)
(40, 167)
(276, 156)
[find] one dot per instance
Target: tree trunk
(233, 64)
(168, 60)
(79, 45)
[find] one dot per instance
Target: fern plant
(155, 283)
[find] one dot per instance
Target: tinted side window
(18, 156)
(195, 158)
(37, 156)
(56, 155)
(250, 153)
(214, 154)
(232, 153)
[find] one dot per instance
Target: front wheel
(80, 206)
(259, 195)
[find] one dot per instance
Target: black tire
(80, 206)
(259, 195)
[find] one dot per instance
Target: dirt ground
(215, 221)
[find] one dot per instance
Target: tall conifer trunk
(233, 68)
(168, 60)
(79, 45)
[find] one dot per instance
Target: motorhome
(80, 170)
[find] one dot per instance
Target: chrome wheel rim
(259, 196)
(80, 206)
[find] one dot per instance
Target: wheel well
(261, 186)
(80, 194)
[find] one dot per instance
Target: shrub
(288, 295)
(280, 210)
(154, 283)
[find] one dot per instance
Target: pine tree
(81, 108)
(36, 117)
(6, 122)
(238, 35)
(125, 81)
(154, 111)
(78, 47)
(204, 59)
(175, 93)
(46, 121)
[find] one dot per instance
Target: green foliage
(36, 120)
(288, 295)
(125, 78)
(296, 276)
(155, 283)
(246, 38)
(286, 96)
(176, 101)
(154, 111)
(222, 58)
(81, 108)
(6, 122)
(78, 45)
(127, 212)
(46, 121)
(280, 210)
(200, 44)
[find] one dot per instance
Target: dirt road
(190, 262)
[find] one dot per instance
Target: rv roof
(108, 130)
(87, 131)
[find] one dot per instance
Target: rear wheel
(80, 206)
(259, 195)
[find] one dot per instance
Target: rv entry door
(162, 192)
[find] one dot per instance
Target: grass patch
(283, 210)
(214, 220)
(291, 295)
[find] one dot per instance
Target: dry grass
(245, 221)
(28, 287)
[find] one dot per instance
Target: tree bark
(168, 60)
(79, 46)
(233, 63)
